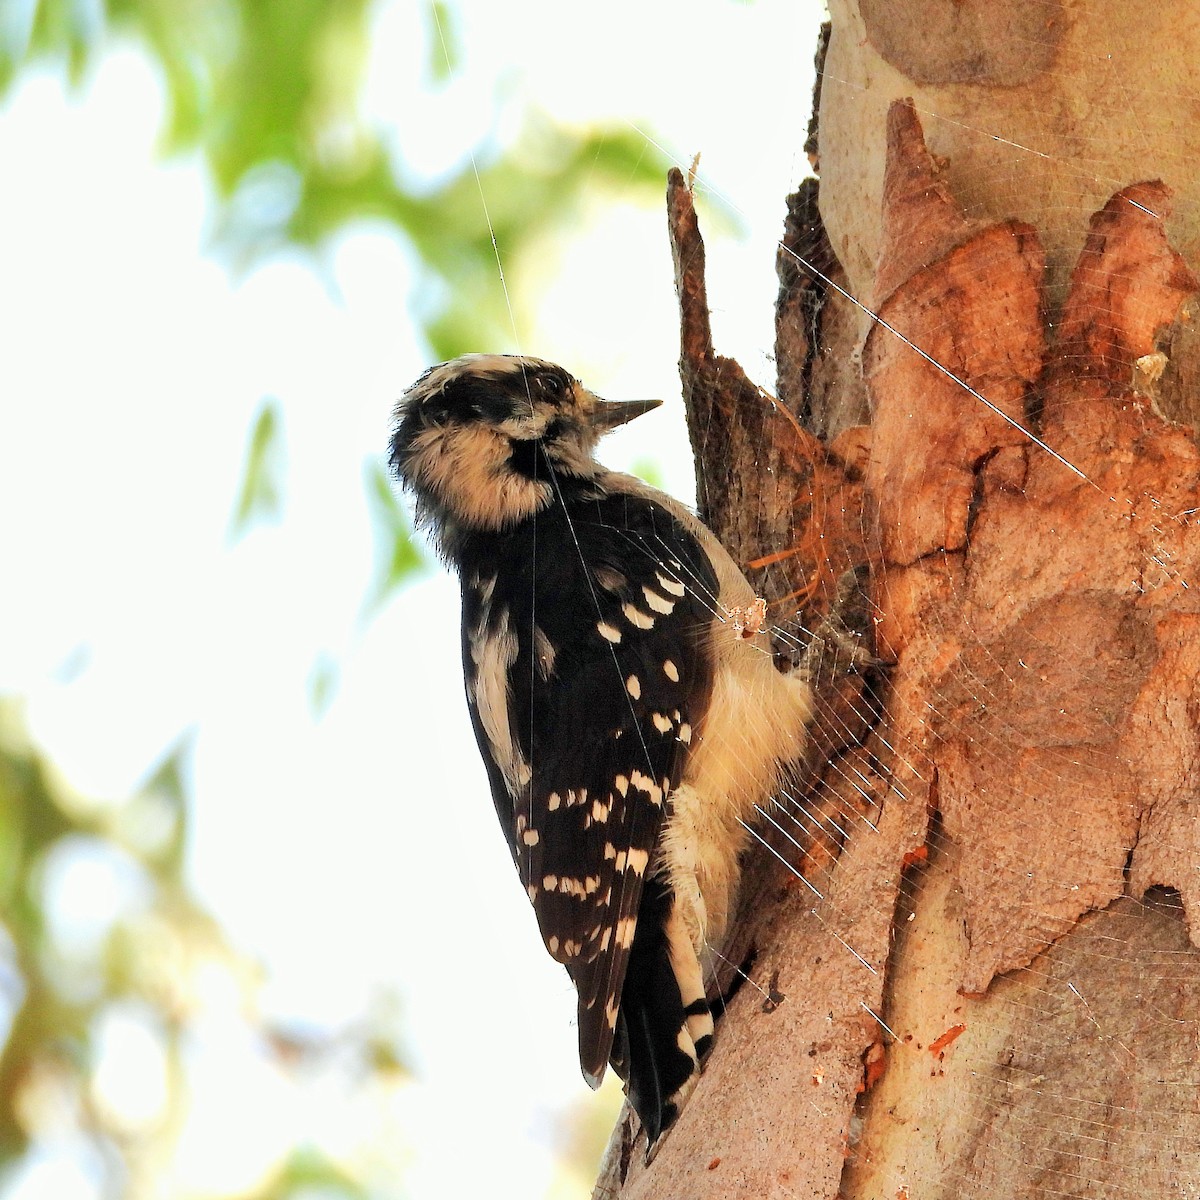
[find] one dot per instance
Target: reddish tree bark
(990, 985)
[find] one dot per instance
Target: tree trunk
(976, 972)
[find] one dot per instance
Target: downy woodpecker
(628, 724)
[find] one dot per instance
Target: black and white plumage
(628, 726)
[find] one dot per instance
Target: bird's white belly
(756, 721)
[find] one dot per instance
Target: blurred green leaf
(537, 187)
(397, 556)
(383, 1036)
(310, 1175)
(445, 53)
(260, 496)
(159, 958)
(268, 92)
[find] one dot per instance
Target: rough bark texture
(763, 481)
(1040, 112)
(1046, 649)
(990, 985)
(751, 477)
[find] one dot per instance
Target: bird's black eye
(551, 386)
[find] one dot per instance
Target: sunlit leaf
(260, 496)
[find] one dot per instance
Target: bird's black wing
(608, 669)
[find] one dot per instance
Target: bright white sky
(132, 367)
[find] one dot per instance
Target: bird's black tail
(665, 1025)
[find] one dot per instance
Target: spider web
(1105, 978)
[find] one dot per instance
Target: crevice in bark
(1128, 865)
(978, 492)
(918, 862)
(801, 299)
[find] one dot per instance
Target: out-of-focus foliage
(534, 188)
(650, 471)
(80, 988)
(261, 494)
(268, 92)
(308, 1175)
(65, 980)
(580, 1137)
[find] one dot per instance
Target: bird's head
(478, 438)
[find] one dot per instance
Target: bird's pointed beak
(608, 414)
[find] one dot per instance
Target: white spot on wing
(638, 860)
(644, 783)
(531, 837)
(637, 618)
(672, 586)
(633, 686)
(609, 632)
(662, 723)
(660, 604)
(671, 671)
